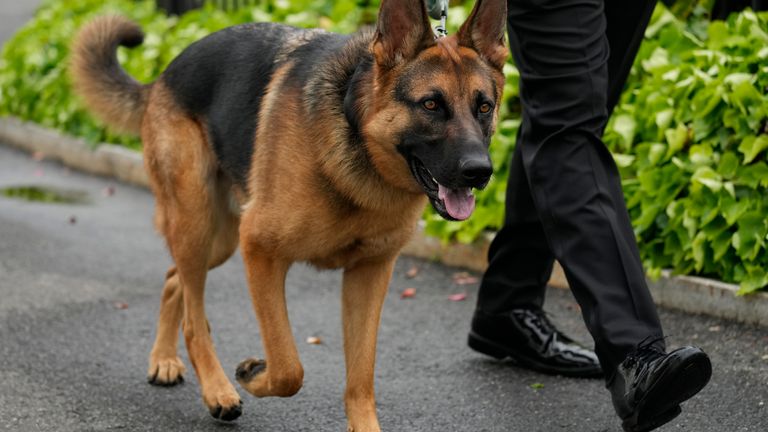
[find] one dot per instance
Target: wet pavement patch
(45, 194)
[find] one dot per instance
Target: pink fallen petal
(464, 278)
(457, 297)
(108, 191)
(408, 293)
(412, 272)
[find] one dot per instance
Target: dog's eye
(430, 104)
(485, 108)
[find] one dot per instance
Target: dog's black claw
(170, 383)
(228, 414)
(215, 411)
(232, 413)
(248, 369)
(152, 379)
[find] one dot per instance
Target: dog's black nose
(476, 171)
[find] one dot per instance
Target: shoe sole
(658, 421)
(484, 346)
(662, 402)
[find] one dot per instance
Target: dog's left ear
(484, 31)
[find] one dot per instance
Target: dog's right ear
(402, 31)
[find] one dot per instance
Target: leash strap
(438, 9)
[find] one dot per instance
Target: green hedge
(690, 138)
(689, 134)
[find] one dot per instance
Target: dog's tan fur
(311, 204)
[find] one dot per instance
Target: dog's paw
(166, 371)
(226, 413)
(222, 400)
(249, 369)
(256, 379)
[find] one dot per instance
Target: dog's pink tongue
(459, 203)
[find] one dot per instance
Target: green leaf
(730, 188)
(676, 139)
(658, 59)
(708, 177)
(718, 35)
(753, 175)
(751, 146)
(732, 209)
(728, 165)
(625, 126)
(751, 234)
(656, 153)
(756, 278)
(737, 78)
(720, 243)
(700, 154)
(664, 118)
(698, 247)
(623, 161)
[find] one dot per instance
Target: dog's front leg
(365, 287)
(281, 374)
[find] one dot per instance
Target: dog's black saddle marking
(223, 78)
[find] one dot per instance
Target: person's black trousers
(723, 8)
(564, 199)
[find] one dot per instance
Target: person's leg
(520, 259)
(561, 50)
(626, 22)
(509, 321)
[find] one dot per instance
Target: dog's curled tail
(108, 91)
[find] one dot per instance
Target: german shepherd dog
(300, 145)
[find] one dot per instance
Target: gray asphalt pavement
(79, 295)
(14, 13)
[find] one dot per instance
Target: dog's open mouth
(452, 204)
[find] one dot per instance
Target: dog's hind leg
(165, 367)
(192, 241)
(282, 373)
(365, 287)
(186, 183)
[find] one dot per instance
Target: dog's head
(434, 103)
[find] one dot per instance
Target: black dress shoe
(649, 385)
(529, 340)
